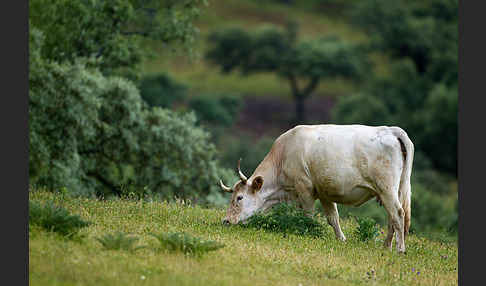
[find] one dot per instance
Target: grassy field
(250, 257)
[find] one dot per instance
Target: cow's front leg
(389, 237)
(332, 215)
(304, 196)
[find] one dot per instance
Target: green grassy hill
(250, 257)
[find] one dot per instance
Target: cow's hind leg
(396, 220)
(332, 215)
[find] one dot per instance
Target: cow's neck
(271, 192)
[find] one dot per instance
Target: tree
(162, 90)
(303, 64)
(112, 31)
(420, 91)
(89, 129)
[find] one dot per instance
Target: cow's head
(246, 199)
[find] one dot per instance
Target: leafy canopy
(270, 49)
(90, 131)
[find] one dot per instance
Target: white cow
(346, 164)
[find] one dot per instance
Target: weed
(55, 218)
(186, 243)
(119, 241)
(367, 228)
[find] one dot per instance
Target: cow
(345, 164)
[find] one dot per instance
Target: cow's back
(335, 157)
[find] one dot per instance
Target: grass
(250, 256)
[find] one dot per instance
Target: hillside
(250, 257)
(262, 89)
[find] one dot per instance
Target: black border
(14, 149)
(471, 145)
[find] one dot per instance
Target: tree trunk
(299, 109)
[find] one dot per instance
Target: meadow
(249, 256)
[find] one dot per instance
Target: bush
(367, 228)
(55, 218)
(251, 151)
(346, 112)
(288, 219)
(186, 243)
(431, 211)
(220, 110)
(93, 135)
(161, 90)
(119, 241)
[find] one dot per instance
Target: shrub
(288, 219)
(367, 228)
(93, 133)
(119, 241)
(186, 243)
(432, 211)
(161, 90)
(235, 147)
(218, 110)
(55, 218)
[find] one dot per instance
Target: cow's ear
(257, 183)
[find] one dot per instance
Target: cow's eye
(239, 198)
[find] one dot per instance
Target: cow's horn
(224, 188)
(242, 177)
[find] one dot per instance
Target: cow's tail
(404, 191)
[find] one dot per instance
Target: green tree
(419, 93)
(112, 31)
(89, 129)
(162, 90)
(303, 64)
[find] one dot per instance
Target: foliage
(111, 31)
(94, 135)
(186, 243)
(367, 228)
(431, 211)
(270, 49)
(420, 91)
(55, 218)
(425, 32)
(251, 151)
(216, 110)
(288, 219)
(427, 112)
(117, 241)
(161, 90)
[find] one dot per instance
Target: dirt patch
(271, 116)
